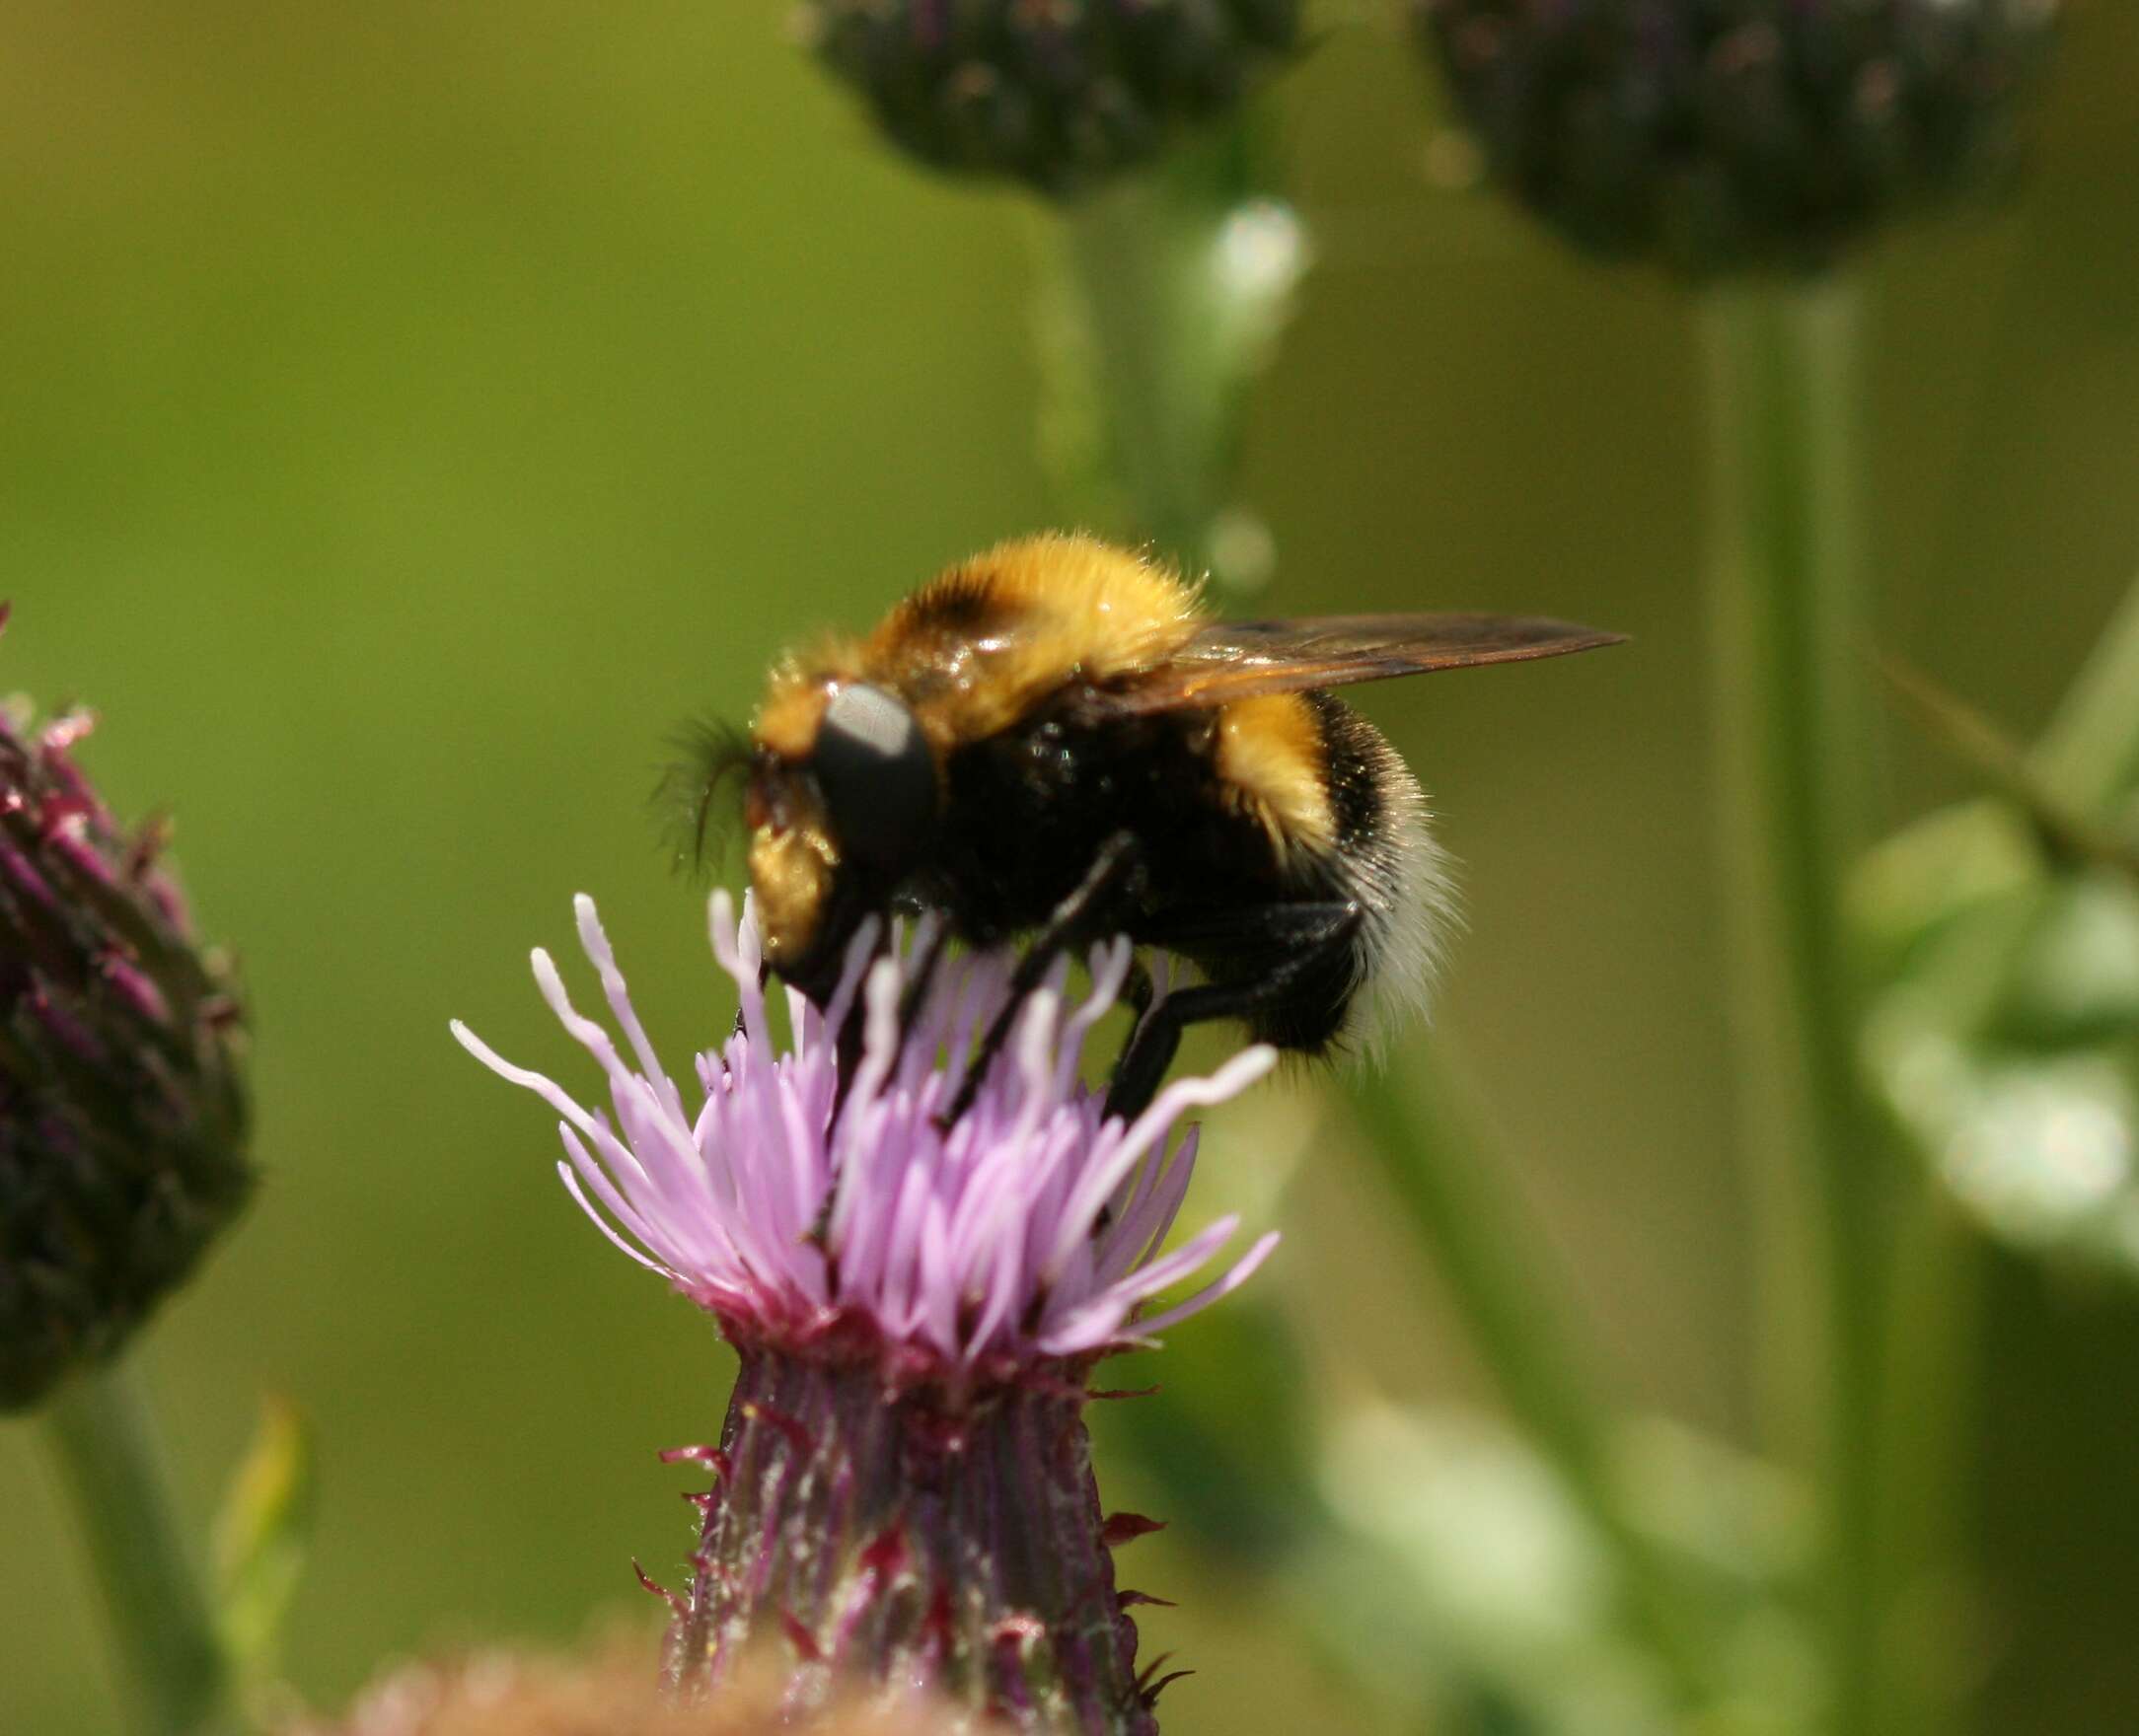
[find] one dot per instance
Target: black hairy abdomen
(1027, 812)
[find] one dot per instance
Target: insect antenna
(697, 797)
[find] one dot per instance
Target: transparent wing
(1241, 659)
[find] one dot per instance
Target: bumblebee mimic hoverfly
(1052, 742)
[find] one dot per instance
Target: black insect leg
(1295, 942)
(1077, 914)
(1137, 992)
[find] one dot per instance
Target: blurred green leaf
(2007, 1035)
(1460, 1580)
(2075, 981)
(1912, 888)
(2010, 1051)
(262, 1533)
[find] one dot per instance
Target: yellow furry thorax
(977, 646)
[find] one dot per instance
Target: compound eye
(878, 778)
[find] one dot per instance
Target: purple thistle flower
(904, 1485)
(1025, 1235)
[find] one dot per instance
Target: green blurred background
(409, 412)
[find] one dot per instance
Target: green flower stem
(1792, 716)
(1424, 1137)
(104, 1442)
(1936, 1343)
(1162, 296)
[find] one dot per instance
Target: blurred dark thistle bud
(1055, 92)
(1723, 136)
(123, 1116)
(904, 1489)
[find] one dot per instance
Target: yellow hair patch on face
(1271, 759)
(790, 873)
(794, 706)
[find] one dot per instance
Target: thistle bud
(122, 1109)
(1723, 136)
(1055, 92)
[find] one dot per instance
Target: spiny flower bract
(1028, 1233)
